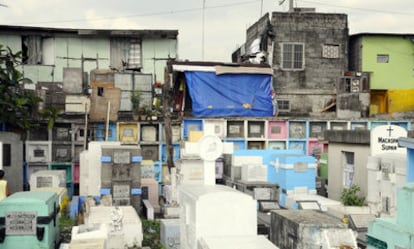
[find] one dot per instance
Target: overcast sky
(225, 21)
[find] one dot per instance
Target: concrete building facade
(47, 51)
(308, 52)
(349, 150)
(390, 67)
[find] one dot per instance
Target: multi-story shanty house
(389, 60)
(308, 52)
(66, 65)
(96, 80)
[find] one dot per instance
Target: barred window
(283, 105)
(292, 56)
(383, 58)
(330, 51)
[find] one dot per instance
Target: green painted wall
(70, 50)
(154, 55)
(12, 41)
(67, 52)
(398, 73)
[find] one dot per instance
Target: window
(6, 153)
(32, 49)
(330, 51)
(383, 58)
(38, 50)
(283, 105)
(292, 56)
(348, 168)
(126, 54)
(134, 55)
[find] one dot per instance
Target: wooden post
(108, 111)
(166, 105)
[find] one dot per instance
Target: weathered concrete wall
(257, 30)
(348, 136)
(352, 105)
(357, 142)
(320, 75)
(14, 171)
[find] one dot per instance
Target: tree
(16, 104)
(349, 196)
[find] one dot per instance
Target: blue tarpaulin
(230, 94)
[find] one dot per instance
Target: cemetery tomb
(386, 173)
(198, 162)
(124, 225)
(260, 190)
(121, 174)
(90, 168)
(236, 242)
(170, 233)
(48, 178)
(238, 162)
(295, 174)
(61, 192)
(88, 244)
(214, 210)
(304, 229)
(215, 127)
(90, 231)
(150, 192)
(253, 172)
(147, 169)
(30, 220)
(38, 152)
(309, 201)
(33, 168)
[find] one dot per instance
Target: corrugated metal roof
(46, 31)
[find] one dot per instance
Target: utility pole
(166, 105)
(202, 35)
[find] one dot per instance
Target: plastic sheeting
(230, 94)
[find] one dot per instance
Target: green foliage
(50, 113)
(151, 230)
(136, 100)
(65, 225)
(349, 196)
(16, 105)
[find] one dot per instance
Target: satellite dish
(281, 2)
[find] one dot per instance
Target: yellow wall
(400, 100)
(392, 101)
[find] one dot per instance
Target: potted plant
(136, 102)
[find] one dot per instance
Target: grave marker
(384, 139)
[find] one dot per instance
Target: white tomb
(125, 228)
(88, 244)
(309, 201)
(386, 173)
(90, 232)
(90, 169)
(386, 169)
(236, 242)
(241, 164)
(254, 173)
(170, 233)
(197, 164)
(48, 178)
(384, 139)
(214, 210)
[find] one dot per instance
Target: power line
(357, 8)
(171, 12)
